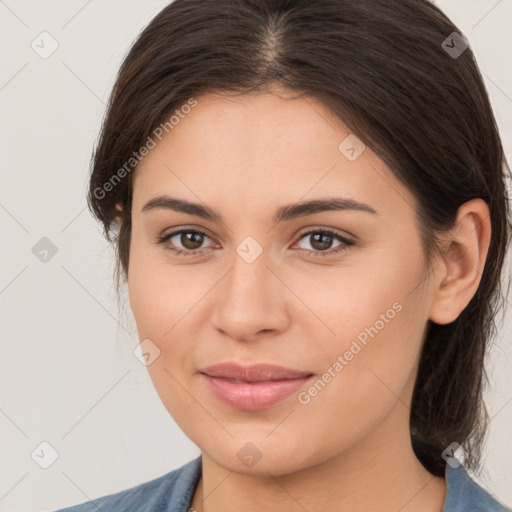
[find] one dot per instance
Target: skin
(349, 447)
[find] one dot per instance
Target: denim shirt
(173, 492)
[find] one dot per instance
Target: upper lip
(253, 373)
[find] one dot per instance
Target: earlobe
(119, 209)
(463, 260)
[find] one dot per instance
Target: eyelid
(175, 231)
(300, 233)
(342, 234)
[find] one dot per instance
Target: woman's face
(265, 291)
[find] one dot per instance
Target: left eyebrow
(304, 208)
(284, 213)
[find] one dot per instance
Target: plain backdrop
(68, 374)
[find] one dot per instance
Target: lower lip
(253, 396)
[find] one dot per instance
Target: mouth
(253, 387)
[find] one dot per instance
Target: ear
(119, 208)
(465, 249)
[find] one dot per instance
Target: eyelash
(346, 243)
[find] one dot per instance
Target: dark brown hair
(383, 69)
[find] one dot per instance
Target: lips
(253, 387)
(254, 373)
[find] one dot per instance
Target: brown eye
(186, 242)
(191, 239)
(322, 240)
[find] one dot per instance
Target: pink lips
(253, 387)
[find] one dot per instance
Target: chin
(259, 457)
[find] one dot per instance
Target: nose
(251, 301)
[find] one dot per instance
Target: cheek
(145, 300)
(159, 304)
(159, 294)
(378, 319)
(165, 302)
(362, 381)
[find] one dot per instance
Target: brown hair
(383, 69)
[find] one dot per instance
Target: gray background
(68, 373)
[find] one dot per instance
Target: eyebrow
(284, 213)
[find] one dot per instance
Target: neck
(380, 472)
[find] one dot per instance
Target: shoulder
(463, 494)
(174, 490)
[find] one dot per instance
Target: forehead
(263, 149)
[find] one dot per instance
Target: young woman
(308, 204)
